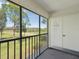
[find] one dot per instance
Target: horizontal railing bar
(13, 39)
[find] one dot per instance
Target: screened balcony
(27, 31)
(23, 33)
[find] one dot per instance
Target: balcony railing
(32, 46)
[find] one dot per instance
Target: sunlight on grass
(33, 46)
(11, 50)
(17, 46)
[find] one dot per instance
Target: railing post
(7, 50)
(25, 47)
(14, 49)
(20, 32)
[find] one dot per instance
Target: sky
(33, 18)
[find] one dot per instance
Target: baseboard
(68, 51)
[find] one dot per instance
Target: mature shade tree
(25, 22)
(13, 14)
(2, 20)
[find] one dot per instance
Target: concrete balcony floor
(57, 54)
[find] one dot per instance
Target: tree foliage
(12, 12)
(25, 21)
(2, 20)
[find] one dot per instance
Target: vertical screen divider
(20, 32)
(39, 33)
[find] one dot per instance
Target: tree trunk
(1, 34)
(14, 30)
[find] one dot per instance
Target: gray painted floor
(54, 54)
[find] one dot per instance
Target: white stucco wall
(30, 4)
(55, 31)
(65, 22)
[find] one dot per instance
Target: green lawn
(9, 34)
(11, 49)
(11, 46)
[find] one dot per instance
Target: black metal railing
(32, 46)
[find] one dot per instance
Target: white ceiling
(58, 5)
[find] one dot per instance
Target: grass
(11, 49)
(9, 34)
(11, 46)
